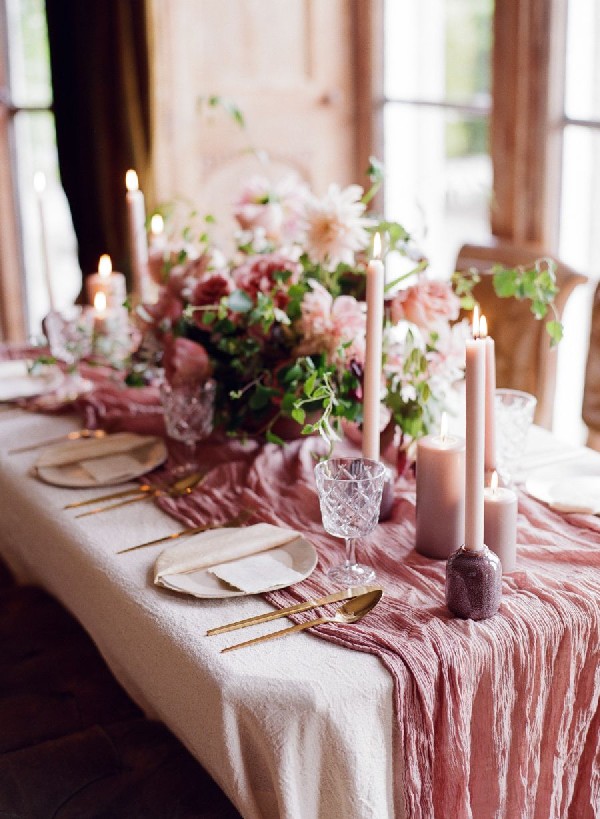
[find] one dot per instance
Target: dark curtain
(100, 63)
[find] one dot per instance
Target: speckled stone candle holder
(473, 583)
(387, 496)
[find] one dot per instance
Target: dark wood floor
(72, 743)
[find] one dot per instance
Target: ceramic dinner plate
(114, 468)
(572, 493)
(298, 554)
(16, 382)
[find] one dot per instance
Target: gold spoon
(351, 612)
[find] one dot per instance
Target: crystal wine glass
(189, 415)
(350, 497)
(514, 411)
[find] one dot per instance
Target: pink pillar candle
(500, 530)
(373, 355)
(106, 281)
(475, 442)
(440, 525)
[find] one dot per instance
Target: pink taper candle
(373, 354)
(138, 241)
(475, 438)
(490, 398)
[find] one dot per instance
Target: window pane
(582, 92)
(438, 50)
(28, 54)
(36, 152)
(580, 238)
(438, 179)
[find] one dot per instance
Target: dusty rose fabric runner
(499, 718)
(493, 719)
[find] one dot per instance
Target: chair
(524, 359)
(591, 389)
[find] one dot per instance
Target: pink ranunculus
(185, 362)
(258, 274)
(274, 208)
(316, 312)
(426, 304)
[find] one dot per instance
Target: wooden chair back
(591, 389)
(524, 358)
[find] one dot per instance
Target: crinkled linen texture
(498, 718)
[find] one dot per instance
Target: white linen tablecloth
(297, 728)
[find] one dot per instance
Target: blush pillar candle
(106, 281)
(490, 397)
(373, 355)
(138, 241)
(440, 524)
(500, 530)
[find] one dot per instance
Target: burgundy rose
(211, 289)
(259, 275)
(167, 308)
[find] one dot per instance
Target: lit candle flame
(157, 224)
(105, 266)
(444, 426)
(100, 302)
(39, 181)
(131, 181)
(377, 246)
(483, 328)
(494, 482)
(476, 327)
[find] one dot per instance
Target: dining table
(409, 713)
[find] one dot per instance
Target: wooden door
(287, 64)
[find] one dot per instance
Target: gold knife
(345, 594)
(194, 530)
(69, 436)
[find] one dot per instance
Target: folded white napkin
(574, 494)
(256, 573)
(85, 449)
(17, 382)
(14, 369)
(218, 546)
(111, 468)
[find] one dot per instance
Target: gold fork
(69, 436)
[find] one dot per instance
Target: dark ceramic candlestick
(473, 583)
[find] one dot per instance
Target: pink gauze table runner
(498, 718)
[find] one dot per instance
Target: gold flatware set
(184, 486)
(359, 602)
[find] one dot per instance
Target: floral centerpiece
(280, 325)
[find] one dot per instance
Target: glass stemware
(514, 411)
(350, 492)
(189, 416)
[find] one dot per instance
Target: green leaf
(555, 331)
(239, 302)
(505, 283)
(309, 384)
(299, 415)
(274, 439)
